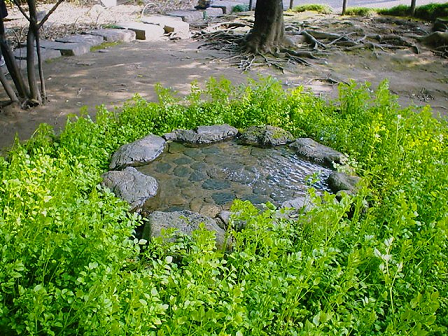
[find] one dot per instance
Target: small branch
(41, 23)
(17, 3)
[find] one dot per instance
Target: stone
(108, 3)
(222, 198)
(182, 171)
(131, 186)
(197, 176)
(317, 152)
(225, 216)
(145, 32)
(210, 210)
(206, 134)
(171, 25)
(45, 54)
(212, 184)
(91, 40)
(267, 136)
(169, 136)
(114, 35)
(66, 49)
(338, 181)
(196, 204)
(184, 222)
(212, 12)
(226, 6)
(187, 15)
(139, 152)
(302, 203)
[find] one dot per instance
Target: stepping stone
(46, 54)
(173, 25)
(115, 35)
(91, 40)
(226, 6)
(188, 15)
(67, 49)
(146, 32)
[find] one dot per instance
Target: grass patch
(360, 11)
(104, 45)
(370, 264)
(321, 9)
(429, 12)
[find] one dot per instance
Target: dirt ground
(113, 75)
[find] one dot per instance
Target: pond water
(206, 179)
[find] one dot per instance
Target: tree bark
(268, 32)
(413, 5)
(344, 6)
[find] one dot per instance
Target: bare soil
(113, 75)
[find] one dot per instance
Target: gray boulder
(315, 151)
(342, 182)
(265, 136)
(139, 152)
(131, 186)
(300, 203)
(206, 134)
(185, 222)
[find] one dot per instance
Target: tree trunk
(268, 32)
(413, 5)
(291, 4)
(344, 6)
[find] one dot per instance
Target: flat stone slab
(184, 222)
(317, 152)
(226, 6)
(188, 16)
(265, 136)
(131, 186)
(143, 31)
(173, 25)
(139, 152)
(66, 49)
(91, 40)
(115, 35)
(206, 134)
(46, 54)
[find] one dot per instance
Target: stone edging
(136, 188)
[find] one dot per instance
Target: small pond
(206, 179)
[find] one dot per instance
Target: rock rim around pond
(136, 188)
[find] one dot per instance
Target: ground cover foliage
(372, 264)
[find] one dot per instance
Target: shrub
(429, 12)
(370, 264)
(360, 11)
(321, 9)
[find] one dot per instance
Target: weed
(321, 9)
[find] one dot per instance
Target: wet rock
(162, 167)
(223, 198)
(255, 199)
(182, 171)
(212, 184)
(206, 134)
(342, 182)
(139, 152)
(185, 222)
(315, 151)
(183, 160)
(266, 136)
(131, 185)
(197, 176)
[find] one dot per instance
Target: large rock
(171, 25)
(206, 134)
(45, 54)
(303, 203)
(139, 152)
(114, 35)
(185, 222)
(131, 185)
(187, 15)
(143, 31)
(265, 136)
(338, 181)
(226, 6)
(91, 40)
(315, 151)
(66, 49)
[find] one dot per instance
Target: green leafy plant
(321, 9)
(370, 264)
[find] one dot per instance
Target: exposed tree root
(318, 38)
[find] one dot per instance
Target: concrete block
(91, 40)
(213, 12)
(115, 35)
(46, 54)
(188, 15)
(67, 49)
(173, 25)
(226, 6)
(143, 31)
